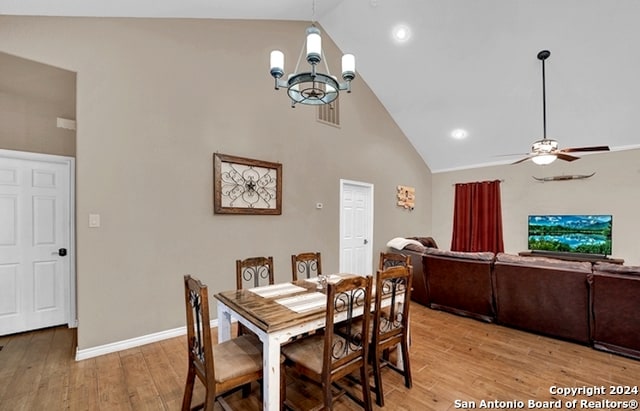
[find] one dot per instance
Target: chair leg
(326, 396)
(188, 389)
(246, 390)
(406, 365)
(377, 378)
(209, 399)
(366, 390)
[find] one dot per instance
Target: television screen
(583, 234)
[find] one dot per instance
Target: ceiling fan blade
(578, 149)
(511, 155)
(521, 160)
(566, 157)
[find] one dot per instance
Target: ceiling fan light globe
(544, 146)
(544, 159)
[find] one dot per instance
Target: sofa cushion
(482, 256)
(583, 266)
(616, 268)
(426, 241)
(415, 248)
(400, 242)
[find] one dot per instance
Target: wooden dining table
(275, 313)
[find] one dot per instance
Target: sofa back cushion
(543, 297)
(426, 241)
(481, 256)
(616, 268)
(544, 262)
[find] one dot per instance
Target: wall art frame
(246, 186)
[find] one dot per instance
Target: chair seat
(236, 357)
(308, 352)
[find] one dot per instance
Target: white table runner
(304, 302)
(275, 290)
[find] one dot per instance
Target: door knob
(366, 241)
(62, 252)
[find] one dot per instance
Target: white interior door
(356, 227)
(35, 243)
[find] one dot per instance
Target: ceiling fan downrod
(542, 56)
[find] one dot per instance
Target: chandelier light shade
(312, 87)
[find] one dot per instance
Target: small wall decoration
(406, 197)
(246, 186)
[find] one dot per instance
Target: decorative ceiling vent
(330, 113)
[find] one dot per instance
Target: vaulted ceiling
(467, 64)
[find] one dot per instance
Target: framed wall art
(246, 186)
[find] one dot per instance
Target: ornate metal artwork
(352, 338)
(255, 274)
(307, 267)
(246, 186)
(197, 345)
(393, 319)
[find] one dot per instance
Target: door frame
(369, 187)
(71, 310)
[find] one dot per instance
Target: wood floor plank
(113, 394)
(82, 394)
(21, 389)
(142, 390)
(453, 359)
(164, 377)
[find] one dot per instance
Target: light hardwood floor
(453, 358)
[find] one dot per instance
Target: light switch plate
(94, 220)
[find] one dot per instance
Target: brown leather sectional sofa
(460, 282)
(597, 305)
(543, 295)
(615, 308)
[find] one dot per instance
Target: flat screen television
(580, 234)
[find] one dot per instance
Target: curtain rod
(476, 182)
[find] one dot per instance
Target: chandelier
(312, 87)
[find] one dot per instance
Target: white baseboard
(133, 342)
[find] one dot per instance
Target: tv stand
(572, 257)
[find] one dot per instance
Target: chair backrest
(306, 265)
(388, 260)
(346, 350)
(391, 312)
(254, 272)
(199, 329)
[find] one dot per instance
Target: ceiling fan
(546, 151)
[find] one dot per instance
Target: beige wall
(32, 96)
(613, 190)
(155, 99)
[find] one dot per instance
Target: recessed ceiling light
(459, 134)
(401, 33)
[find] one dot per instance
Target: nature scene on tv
(584, 234)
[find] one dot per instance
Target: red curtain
(477, 217)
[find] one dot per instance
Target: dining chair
(306, 264)
(393, 259)
(221, 367)
(328, 357)
(254, 272)
(390, 327)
